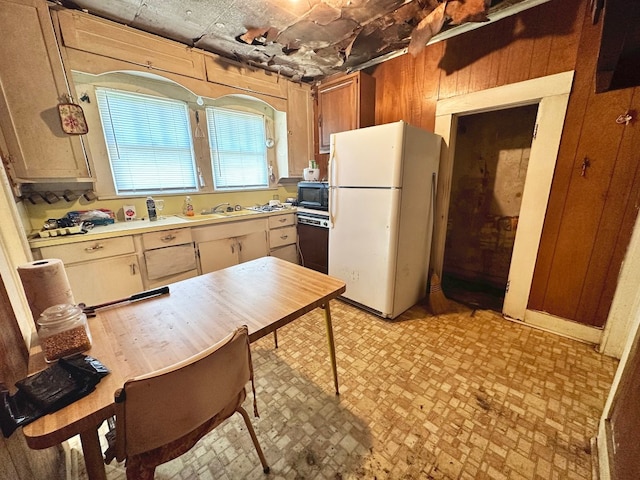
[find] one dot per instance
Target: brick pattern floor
(466, 395)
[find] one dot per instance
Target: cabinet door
(32, 84)
(217, 254)
(345, 103)
(105, 280)
(299, 128)
(252, 246)
(337, 109)
(288, 253)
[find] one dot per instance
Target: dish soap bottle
(151, 209)
(188, 207)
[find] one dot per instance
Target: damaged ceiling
(305, 40)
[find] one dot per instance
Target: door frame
(551, 93)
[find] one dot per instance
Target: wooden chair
(162, 415)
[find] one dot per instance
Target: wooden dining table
(140, 337)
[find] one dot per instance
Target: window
(149, 142)
(238, 149)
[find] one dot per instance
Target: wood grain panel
(582, 86)
(585, 204)
(628, 149)
(569, 16)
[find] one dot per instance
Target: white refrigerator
(381, 191)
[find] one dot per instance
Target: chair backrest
(155, 409)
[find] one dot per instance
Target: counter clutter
(121, 259)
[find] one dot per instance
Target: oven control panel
(313, 220)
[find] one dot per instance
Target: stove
(268, 208)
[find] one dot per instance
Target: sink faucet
(215, 209)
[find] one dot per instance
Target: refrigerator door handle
(332, 182)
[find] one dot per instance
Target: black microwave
(313, 195)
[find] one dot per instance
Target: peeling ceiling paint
(305, 40)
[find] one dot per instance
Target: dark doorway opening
(489, 172)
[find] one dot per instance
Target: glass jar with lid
(63, 331)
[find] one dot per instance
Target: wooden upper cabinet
(344, 103)
(84, 32)
(299, 129)
(32, 84)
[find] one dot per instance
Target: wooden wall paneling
(385, 108)
(578, 101)
(521, 48)
(425, 90)
(623, 200)
(500, 70)
(585, 204)
(481, 68)
(566, 18)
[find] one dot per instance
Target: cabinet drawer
(166, 238)
(91, 250)
(277, 221)
(162, 262)
(282, 236)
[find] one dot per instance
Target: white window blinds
(149, 142)
(238, 149)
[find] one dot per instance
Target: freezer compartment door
(363, 245)
(367, 157)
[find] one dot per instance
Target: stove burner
(267, 208)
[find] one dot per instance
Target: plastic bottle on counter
(187, 209)
(151, 209)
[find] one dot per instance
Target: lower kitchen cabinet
(217, 254)
(283, 237)
(224, 245)
(288, 253)
(100, 270)
(105, 280)
(169, 256)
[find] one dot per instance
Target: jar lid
(59, 314)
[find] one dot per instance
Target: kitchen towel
(45, 284)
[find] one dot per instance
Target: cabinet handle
(282, 220)
(239, 246)
(168, 238)
(284, 237)
(133, 269)
(233, 250)
(97, 246)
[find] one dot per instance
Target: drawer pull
(282, 220)
(94, 248)
(133, 269)
(284, 237)
(168, 238)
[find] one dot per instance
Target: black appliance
(314, 195)
(313, 240)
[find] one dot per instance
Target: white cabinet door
(252, 246)
(217, 254)
(33, 82)
(104, 280)
(288, 253)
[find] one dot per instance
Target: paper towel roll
(45, 284)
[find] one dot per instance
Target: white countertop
(169, 222)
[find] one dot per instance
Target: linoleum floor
(465, 395)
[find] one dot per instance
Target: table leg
(275, 337)
(93, 455)
(332, 347)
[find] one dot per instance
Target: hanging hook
(624, 118)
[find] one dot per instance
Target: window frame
(153, 153)
(215, 153)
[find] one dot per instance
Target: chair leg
(275, 337)
(247, 421)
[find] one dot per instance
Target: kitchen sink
(203, 215)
